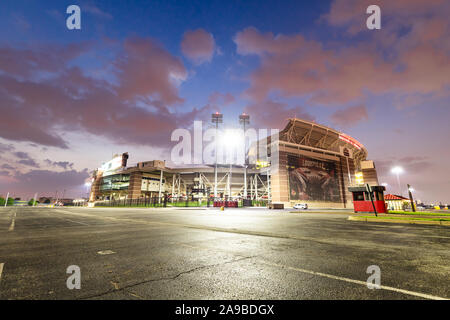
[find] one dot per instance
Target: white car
(303, 206)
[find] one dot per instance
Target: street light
(410, 190)
(244, 119)
(397, 171)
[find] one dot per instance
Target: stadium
(307, 163)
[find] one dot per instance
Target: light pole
(6, 201)
(410, 190)
(216, 118)
(397, 171)
(244, 119)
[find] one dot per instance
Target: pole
(34, 200)
(173, 186)
(411, 198)
(160, 187)
(6, 201)
(369, 191)
(399, 185)
(245, 119)
(348, 170)
(229, 180)
(215, 164)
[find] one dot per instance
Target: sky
(137, 70)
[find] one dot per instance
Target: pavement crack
(124, 288)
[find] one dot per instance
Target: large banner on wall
(312, 179)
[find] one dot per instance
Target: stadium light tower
(244, 119)
(397, 171)
(216, 118)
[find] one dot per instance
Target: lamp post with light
(397, 171)
(244, 119)
(216, 118)
(410, 190)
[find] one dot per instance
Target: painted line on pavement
(13, 222)
(320, 274)
(1, 270)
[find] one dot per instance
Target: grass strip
(407, 218)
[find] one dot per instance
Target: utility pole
(216, 118)
(244, 119)
(411, 198)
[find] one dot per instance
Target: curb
(438, 223)
(322, 212)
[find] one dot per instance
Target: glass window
(358, 196)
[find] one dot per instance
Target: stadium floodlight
(217, 118)
(244, 119)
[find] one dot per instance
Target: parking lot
(205, 253)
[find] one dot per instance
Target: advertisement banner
(312, 179)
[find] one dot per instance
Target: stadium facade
(314, 164)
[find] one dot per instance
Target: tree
(10, 201)
(31, 202)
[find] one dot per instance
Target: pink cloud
(135, 109)
(272, 114)
(150, 70)
(198, 46)
(390, 60)
(350, 116)
(27, 184)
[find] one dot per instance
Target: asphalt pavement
(190, 253)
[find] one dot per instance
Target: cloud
(351, 14)
(29, 162)
(411, 164)
(198, 46)
(62, 164)
(403, 58)
(6, 147)
(4, 173)
(149, 70)
(96, 11)
(350, 116)
(7, 166)
(46, 182)
(272, 114)
(22, 155)
(135, 108)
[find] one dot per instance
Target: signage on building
(113, 165)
